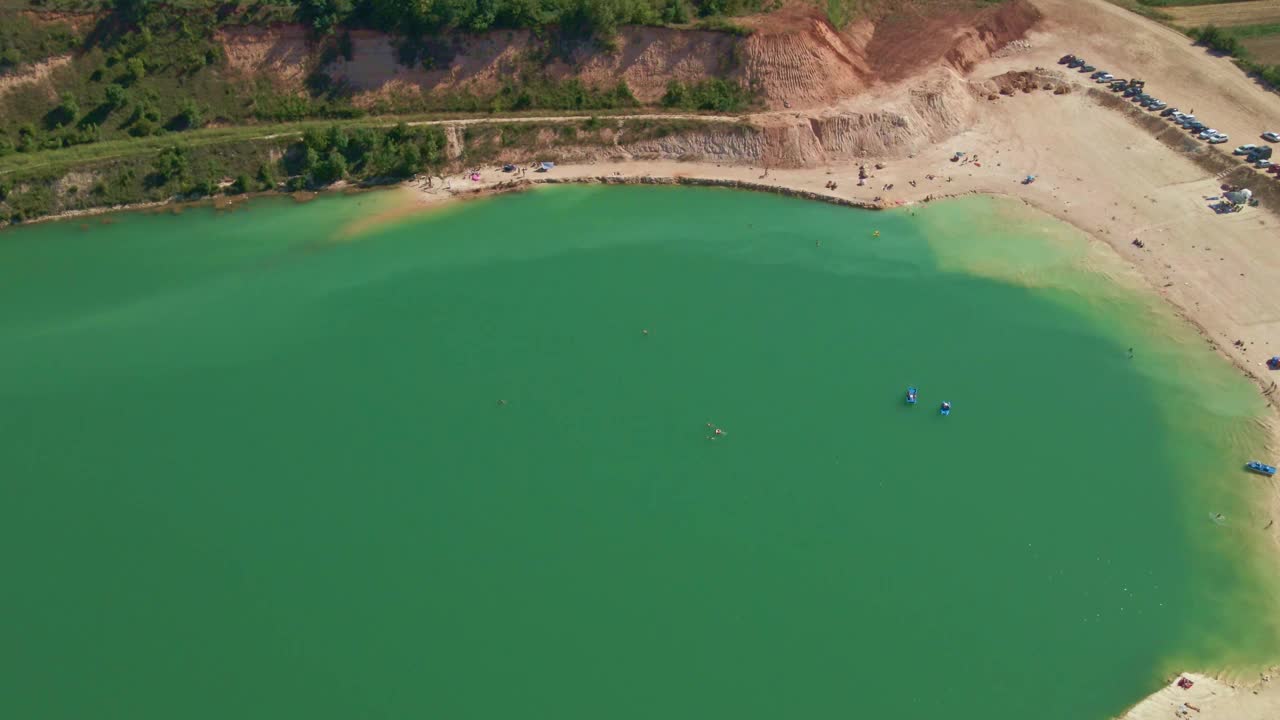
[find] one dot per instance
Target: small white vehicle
(1218, 139)
(1105, 78)
(1208, 134)
(1271, 137)
(1244, 149)
(1262, 164)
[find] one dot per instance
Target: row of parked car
(1256, 155)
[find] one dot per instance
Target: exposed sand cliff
(794, 58)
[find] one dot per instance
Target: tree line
(586, 18)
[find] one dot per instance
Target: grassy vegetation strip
(1181, 3)
(66, 158)
(311, 156)
(1244, 32)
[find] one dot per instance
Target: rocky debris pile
(1025, 81)
(1013, 48)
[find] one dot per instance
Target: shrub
(171, 163)
(714, 94)
(243, 184)
(266, 176)
(1218, 40)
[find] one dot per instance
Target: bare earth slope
(793, 59)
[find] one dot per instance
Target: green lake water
(255, 465)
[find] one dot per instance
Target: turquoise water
(261, 464)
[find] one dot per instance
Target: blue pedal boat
(946, 408)
(1260, 468)
(911, 395)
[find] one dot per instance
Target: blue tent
(545, 166)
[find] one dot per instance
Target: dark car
(1097, 74)
(1168, 111)
(1066, 59)
(1131, 91)
(1075, 63)
(1087, 68)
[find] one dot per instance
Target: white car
(1271, 137)
(1244, 149)
(1208, 134)
(1262, 164)
(1218, 139)
(1105, 78)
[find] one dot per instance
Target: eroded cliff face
(793, 59)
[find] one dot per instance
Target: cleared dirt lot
(1241, 13)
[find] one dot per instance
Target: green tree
(134, 70)
(266, 176)
(189, 116)
(329, 170)
(66, 112)
(117, 96)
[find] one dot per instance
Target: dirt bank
(794, 58)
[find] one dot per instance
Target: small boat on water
(1260, 468)
(911, 395)
(946, 408)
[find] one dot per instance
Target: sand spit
(1213, 698)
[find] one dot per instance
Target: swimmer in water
(875, 234)
(645, 331)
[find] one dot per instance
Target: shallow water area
(263, 464)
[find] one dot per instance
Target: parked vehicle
(1261, 164)
(1274, 169)
(1075, 63)
(1170, 112)
(1262, 153)
(1218, 139)
(1271, 137)
(1105, 78)
(1087, 68)
(1066, 59)
(1197, 126)
(1208, 134)
(1158, 105)
(1119, 85)
(1096, 74)
(1131, 91)
(1244, 150)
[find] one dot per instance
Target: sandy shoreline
(1097, 171)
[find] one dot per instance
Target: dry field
(1264, 49)
(1225, 14)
